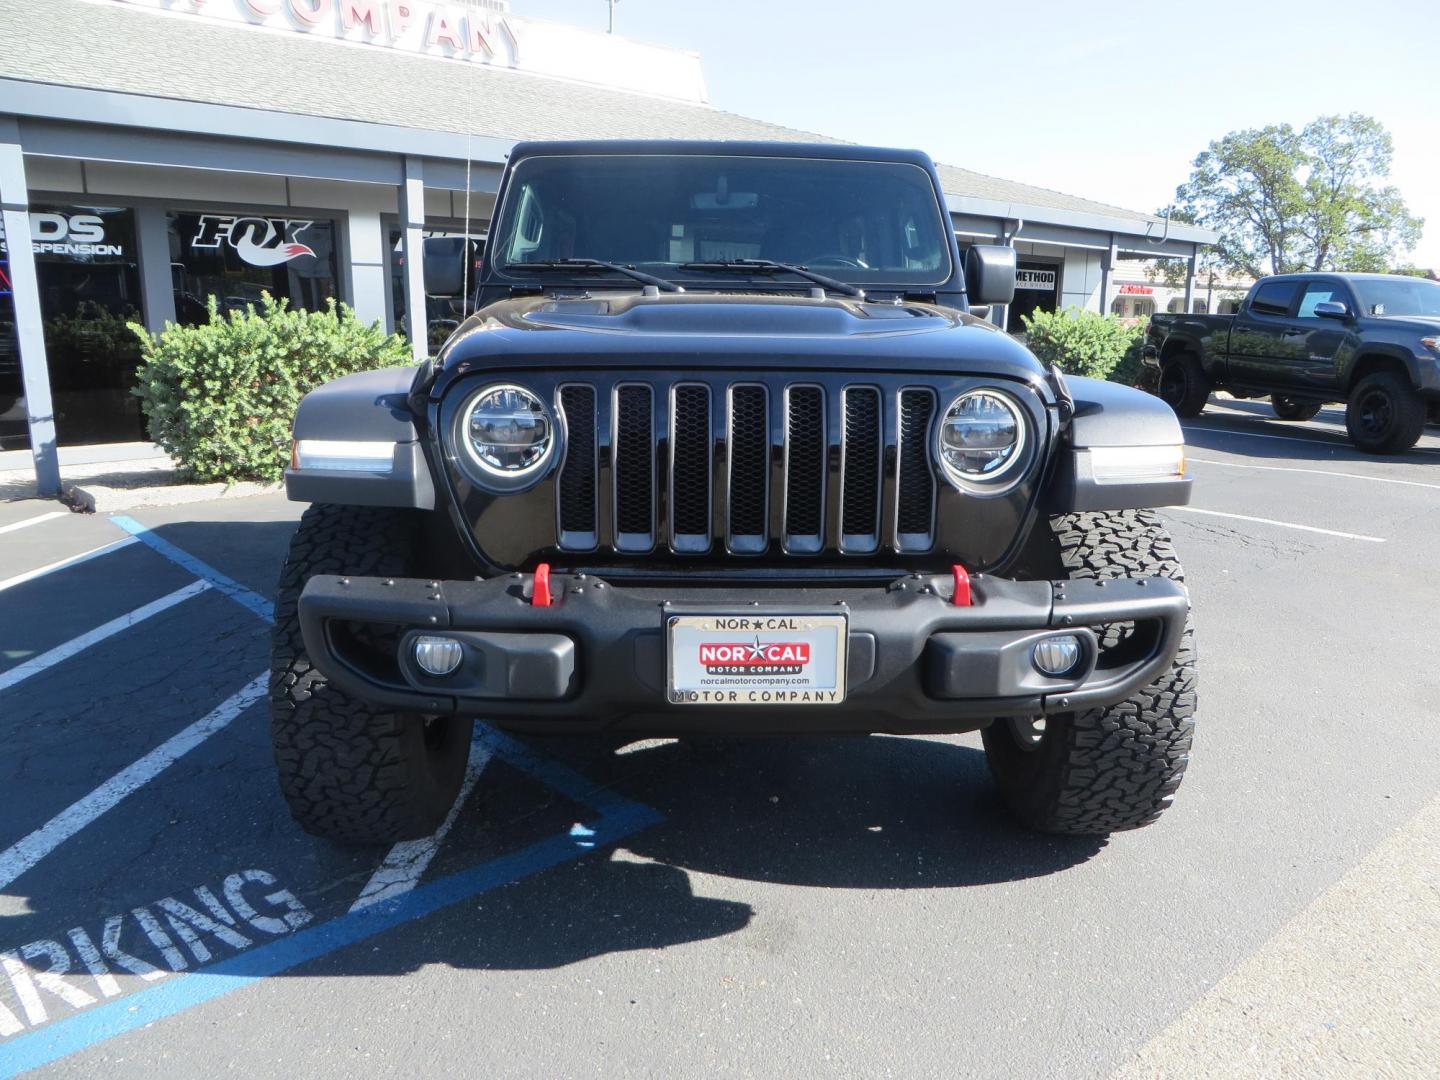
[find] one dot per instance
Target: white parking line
(37, 664)
(24, 854)
(1316, 472)
(61, 564)
(1340, 444)
(36, 520)
(407, 860)
(1280, 524)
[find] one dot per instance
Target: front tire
(1384, 414)
(350, 771)
(1102, 770)
(1184, 385)
(1287, 408)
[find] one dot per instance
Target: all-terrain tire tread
(346, 769)
(1119, 767)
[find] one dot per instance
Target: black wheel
(1102, 770)
(1183, 384)
(350, 771)
(1384, 414)
(1287, 408)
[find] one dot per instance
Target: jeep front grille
(805, 468)
(915, 512)
(860, 476)
(634, 444)
(748, 478)
(746, 466)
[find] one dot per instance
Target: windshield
(859, 221)
(1399, 296)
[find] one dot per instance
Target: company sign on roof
(476, 32)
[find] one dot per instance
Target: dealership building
(157, 153)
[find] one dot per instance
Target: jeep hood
(733, 330)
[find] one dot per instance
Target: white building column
(1107, 267)
(412, 238)
(1190, 278)
(157, 285)
(369, 267)
(29, 326)
(999, 313)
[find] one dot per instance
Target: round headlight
(506, 430)
(982, 437)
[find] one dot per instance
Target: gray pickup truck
(1369, 340)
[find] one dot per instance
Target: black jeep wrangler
(726, 447)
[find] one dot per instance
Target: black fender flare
(369, 408)
(1112, 425)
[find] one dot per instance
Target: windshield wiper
(594, 265)
(770, 266)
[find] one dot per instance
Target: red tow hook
(541, 597)
(962, 596)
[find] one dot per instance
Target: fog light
(437, 656)
(1056, 656)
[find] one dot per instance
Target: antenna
(469, 158)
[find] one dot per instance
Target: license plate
(757, 659)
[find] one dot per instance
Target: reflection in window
(862, 221)
(442, 312)
(1317, 293)
(89, 279)
(238, 257)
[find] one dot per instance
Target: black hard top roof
(721, 148)
(1343, 275)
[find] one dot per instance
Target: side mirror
(1332, 309)
(444, 258)
(990, 274)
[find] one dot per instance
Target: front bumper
(596, 658)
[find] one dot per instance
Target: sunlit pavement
(824, 907)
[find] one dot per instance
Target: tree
(1284, 200)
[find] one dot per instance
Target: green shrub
(220, 397)
(1086, 343)
(1132, 370)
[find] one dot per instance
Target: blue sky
(1110, 100)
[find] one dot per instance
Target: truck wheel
(351, 771)
(1184, 385)
(1384, 415)
(1098, 771)
(1287, 408)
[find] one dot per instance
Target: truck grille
(747, 466)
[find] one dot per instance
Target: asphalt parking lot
(848, 907)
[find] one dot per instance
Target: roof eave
(1144, 228)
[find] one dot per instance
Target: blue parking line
(229, 586)
(617, 818)
(184, 991)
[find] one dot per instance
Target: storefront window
(14, 434)
(1037, 288)
(441, 311)
(85, 262)
(1133, 307)
(238, 257)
